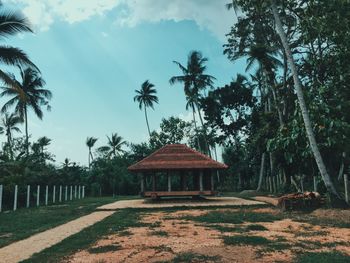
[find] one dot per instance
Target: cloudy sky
(93, 54)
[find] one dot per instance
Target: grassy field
(238, 227)
(26, 222)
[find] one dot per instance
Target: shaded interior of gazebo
(177, 170)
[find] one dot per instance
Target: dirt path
(24, 249)
(209, 201)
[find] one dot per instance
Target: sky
(93, 54)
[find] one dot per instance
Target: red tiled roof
(176, 157)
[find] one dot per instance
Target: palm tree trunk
(26, 124)
(204, 129)
(305, 114)
(149, 132)
(89, 158)
(9, 142)
(195, 127)
(261, 175)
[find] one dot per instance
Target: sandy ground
(209, 201)
(24, 249)
(266, 199)
(143, 244)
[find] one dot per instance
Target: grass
(245, 240)
(322, 257)
(26, 222)
(104, 249)
(234, 217)
(159, 233)
(114, 224)
(256, 227)
(192, 257)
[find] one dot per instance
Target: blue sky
(94, 54)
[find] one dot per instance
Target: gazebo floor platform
(157, 194)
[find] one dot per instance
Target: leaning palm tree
(90, 142)
(12, 23)
(30, 95)
(9, 123)
(302, 104)
(146, 96)
(114, 146)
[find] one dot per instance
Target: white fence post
(60, 196)
(71, 192)
(38, 195)
(346, 186)
(54, 194)
(1, 187)
(66, 193)
(83, 191)
(15, 198)
(28, 195)
(75, 192)
(79, 191)
(47, 195)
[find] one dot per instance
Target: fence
(24, 197)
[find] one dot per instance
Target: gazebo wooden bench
(179, 169)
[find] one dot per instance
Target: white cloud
(207, 14)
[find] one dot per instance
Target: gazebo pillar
(212, 181)
(142, 182)
(201, 180)
(169, 182)
(153, 182)
(183, 181)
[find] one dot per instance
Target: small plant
(256, 227)
(124, 233)
(193, 257)
(245, 240)
(159, 233)
(104, 249)
(322, 257)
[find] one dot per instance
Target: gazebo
(177, 170)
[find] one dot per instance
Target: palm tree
(9, 124)
(114, 146)
(90, 142)
(146, 96)
(43, 142)
(304, 111)
(194, 81)
(30, 95)
(12, 23)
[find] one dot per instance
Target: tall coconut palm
(114, 146)
(30, 95)
(304, 111)
(12, 23)
(9, 123)
(194, 80)
(146, 97)
(90, 142)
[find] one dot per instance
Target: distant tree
(113, 147)
(30, 95)
(146, 97)
(90, 142)
(9, 124)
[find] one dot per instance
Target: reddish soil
(171, 235)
